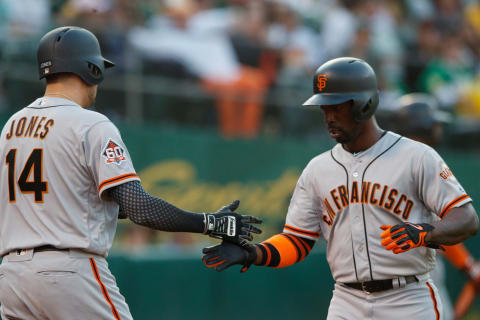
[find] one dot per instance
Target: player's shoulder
(414, 147)
(320, 160)
(91, 116)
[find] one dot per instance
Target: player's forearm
(259, 253)
(282, 250)
(458, 225)
(155, 213)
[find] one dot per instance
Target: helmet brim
(107, 63)
(325, 99)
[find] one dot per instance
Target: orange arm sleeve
(459, 256)
(283, 250)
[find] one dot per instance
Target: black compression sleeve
(155, 213)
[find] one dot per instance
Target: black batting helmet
(346, 79)
(72, 49)
(416, 114)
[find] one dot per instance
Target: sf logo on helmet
(321, 81)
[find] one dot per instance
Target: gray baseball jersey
(58, 159)
(345, 198)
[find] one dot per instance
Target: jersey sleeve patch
(113, 153)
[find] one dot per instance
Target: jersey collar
(48, 102)
(369, 154)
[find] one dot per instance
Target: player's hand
(227, 225)
(404, 236)
(226, 254)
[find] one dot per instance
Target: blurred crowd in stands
(248, 55)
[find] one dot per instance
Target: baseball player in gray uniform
(382, 202)
(65, 176)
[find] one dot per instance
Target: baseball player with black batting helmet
(65, 175)
(381, 201)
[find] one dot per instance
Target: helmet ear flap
(365, 108)
(94, 70)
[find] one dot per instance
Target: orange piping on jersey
(104, 289)
(304, 232)
(435, 307)
(452, 203)
(116, 179)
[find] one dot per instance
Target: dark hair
(57, 77)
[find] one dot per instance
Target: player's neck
(70, 89)
(367, 138)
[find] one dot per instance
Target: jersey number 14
(36, 186)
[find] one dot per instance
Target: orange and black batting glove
(227, 254)
(405, 236)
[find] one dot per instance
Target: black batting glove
(226, 254)
(229, 226)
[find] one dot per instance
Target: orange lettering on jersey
(354, 196)
(375, 187)
(391, 199)
(31, 126)
(40, 125)
(446, 173)
(335, 198)
(408, 208)
(365, 191)
(20, 127)
(382, 197)
(330, 214)
(397, 210)
(342, 190)
(327, 220)
(49, 123)
(10, 134)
